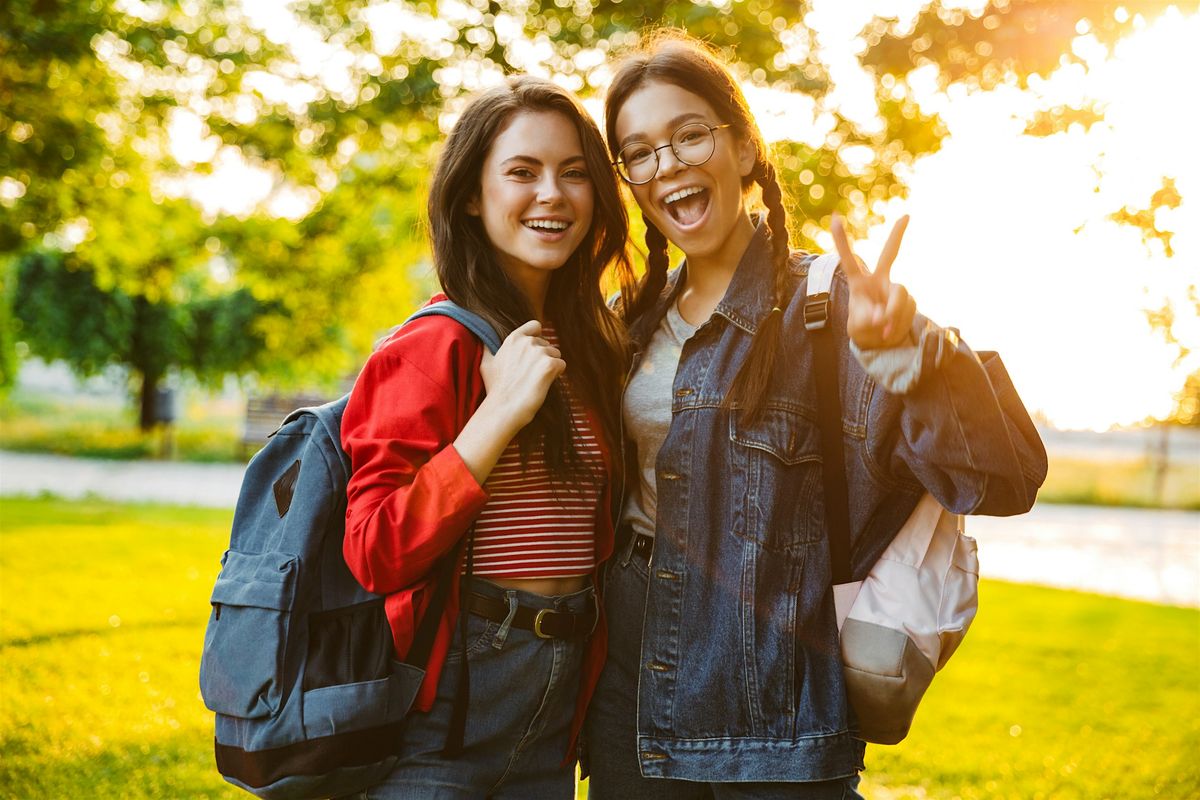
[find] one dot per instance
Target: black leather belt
(643, 546)
(545, 622)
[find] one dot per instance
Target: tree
(1165, 318)
(343, 117)
(87, 103)
(69, 307)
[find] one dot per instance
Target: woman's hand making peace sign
(880, 312)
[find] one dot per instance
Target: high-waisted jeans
(523, 693)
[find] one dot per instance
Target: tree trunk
(1162, 460)
(149, 397)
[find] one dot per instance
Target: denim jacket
(742, 676)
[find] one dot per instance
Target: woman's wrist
(485, 436)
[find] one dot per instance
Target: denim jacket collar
(747, 300)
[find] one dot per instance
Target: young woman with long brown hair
(503, 462)
(724, 676)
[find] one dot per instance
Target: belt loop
(510, 595)
(595, 608)
(628, 552)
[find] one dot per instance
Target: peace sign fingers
(851, 263)
(884, 267)
(879, 313)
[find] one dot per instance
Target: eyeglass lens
(692, 144)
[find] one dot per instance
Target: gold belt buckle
(537, 624)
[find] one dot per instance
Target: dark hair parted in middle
(590, 336)
(673, 57)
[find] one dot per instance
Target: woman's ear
(747, 156)
(472, 206)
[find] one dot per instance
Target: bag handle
(829, 415)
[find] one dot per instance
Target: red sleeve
(410, 497)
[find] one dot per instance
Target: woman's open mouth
(550, 230)
(687, 207)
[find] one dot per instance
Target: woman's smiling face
(535, 195)
(699, 207)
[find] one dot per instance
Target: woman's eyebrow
(537, 162)
(674, 122)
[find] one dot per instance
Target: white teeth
(547, 224)
(682, 193)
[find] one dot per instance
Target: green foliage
(65, 314)
(1054, 694)
(1165, 318)
(1144, 219)
(51, 89)
(88, 93)
(1003, 42)
(8, 326)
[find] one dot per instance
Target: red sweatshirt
(411, 498)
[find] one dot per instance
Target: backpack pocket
(240, 672)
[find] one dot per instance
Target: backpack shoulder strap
(829, 414)
(468, 319)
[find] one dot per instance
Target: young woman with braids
(445, 439)
(723, 676)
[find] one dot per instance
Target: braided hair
(673, 57)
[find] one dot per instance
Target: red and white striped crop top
(533, 526)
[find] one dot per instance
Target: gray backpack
(298, 660)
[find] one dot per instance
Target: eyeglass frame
(712, 129)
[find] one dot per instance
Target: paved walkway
(1147, 555)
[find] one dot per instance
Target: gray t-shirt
(647, 410)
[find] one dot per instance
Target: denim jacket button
(657, 666)
(684, 392)
(650, 755)
(669, 476)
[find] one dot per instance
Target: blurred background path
(1143, 554)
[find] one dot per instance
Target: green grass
(1120, 483)
(101, 427)
(102, 612)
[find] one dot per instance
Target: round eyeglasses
(693, 144)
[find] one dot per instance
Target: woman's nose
(668, 163)
(549, 191)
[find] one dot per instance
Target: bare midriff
(550, 587)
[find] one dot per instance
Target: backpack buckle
(816, 311)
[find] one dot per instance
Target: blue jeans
(523, 693)
(611, 727)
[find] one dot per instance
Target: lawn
(102, 610)
(208, 430)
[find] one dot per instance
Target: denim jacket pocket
(779, 458)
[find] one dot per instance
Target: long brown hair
(673, 57)
(590, 336)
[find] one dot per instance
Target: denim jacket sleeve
(959, 430)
